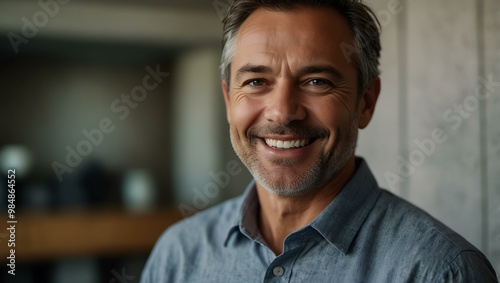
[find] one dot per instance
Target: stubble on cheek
(327, 163)
(241, 145)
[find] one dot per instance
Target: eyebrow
(316, 69)
(249, 68)
(313, 69)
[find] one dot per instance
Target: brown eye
(320, 82)
(256, 82)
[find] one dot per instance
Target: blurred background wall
(72, 69)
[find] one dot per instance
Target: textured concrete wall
(490, 59)
(435, 138)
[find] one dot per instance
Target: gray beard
(318, 175)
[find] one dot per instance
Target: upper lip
(284, 137)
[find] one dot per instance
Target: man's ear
(225, 92)
(367, 103)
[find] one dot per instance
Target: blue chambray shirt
(365, 234)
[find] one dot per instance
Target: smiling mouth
(288, 144)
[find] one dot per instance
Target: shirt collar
(341, 220)
(246, 222)
(338, 223)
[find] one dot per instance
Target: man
(299, 79)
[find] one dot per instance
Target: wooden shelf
(46, 236)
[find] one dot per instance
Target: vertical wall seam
(483, 145)
(402, 33)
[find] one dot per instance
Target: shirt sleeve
(469, 267)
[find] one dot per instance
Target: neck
(279, 216)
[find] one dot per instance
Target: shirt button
(278, 271)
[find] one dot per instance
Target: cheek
(331, 113)
(244, 113)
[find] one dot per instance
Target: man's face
(292, 102)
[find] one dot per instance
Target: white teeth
(286, 144)
(270, 142)
(279, 144)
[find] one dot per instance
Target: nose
(284, 105)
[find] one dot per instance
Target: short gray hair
(361, 18)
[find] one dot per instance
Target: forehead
(299, 35)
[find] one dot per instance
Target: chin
(295, 184)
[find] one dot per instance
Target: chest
(311, 262)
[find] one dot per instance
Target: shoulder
(210, 223)
(181, 244)
(217, 218)
(425, 245)
(405, 221)
(467, 266)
